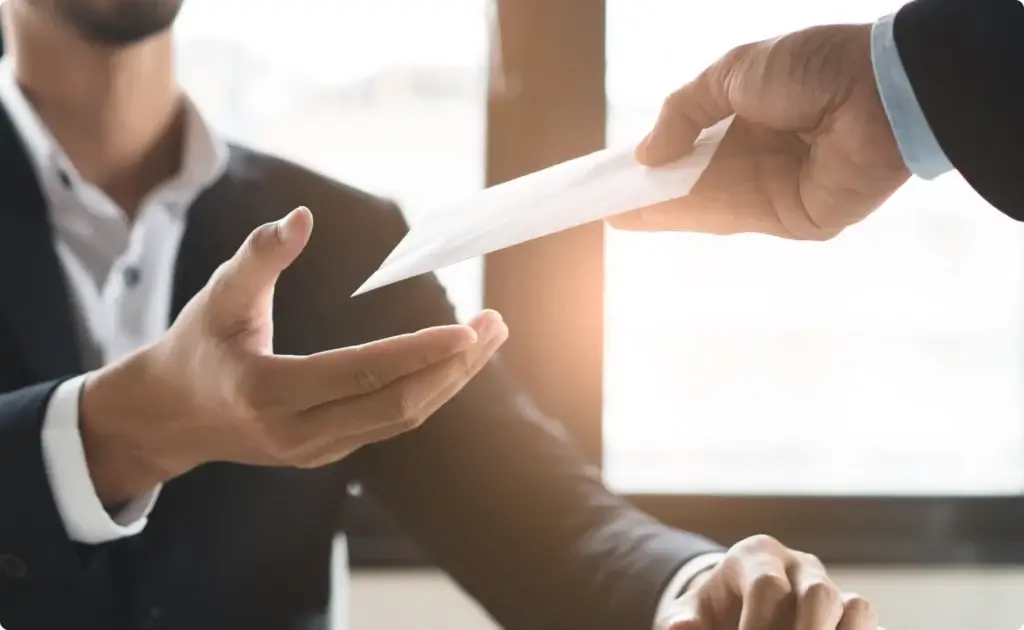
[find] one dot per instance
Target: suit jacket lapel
(35, 308)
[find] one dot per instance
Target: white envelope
(570, 194)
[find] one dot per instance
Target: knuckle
(822, 595)
(769, 587)
(223, 281)
(737, 55)
(405, 409)
(221, 274)
(409, 423)
(858, 608)
(424, 359)
(719, 78)
(456, 370)
(463, 365)
(259, 238)
(811, 560)
(674, 100)
(368, 379)
(760, 543)
(731, 565)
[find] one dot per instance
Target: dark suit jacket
(490, 488)
(965, 61)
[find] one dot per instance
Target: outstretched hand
(809, 153)
(212, 388)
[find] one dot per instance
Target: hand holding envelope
(590, 188)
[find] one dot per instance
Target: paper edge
(711, 135)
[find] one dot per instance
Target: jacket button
(153, 618)
(12, 566)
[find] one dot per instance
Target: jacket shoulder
(284, 184)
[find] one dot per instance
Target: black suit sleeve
(37, 559)
(496, 493)
(31, 530)
(965, 61)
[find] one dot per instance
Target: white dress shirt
(120, 277)
(120, 274)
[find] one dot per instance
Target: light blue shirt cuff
(921, 151)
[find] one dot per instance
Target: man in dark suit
(831, 120)
(187, 476)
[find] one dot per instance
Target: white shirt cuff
(85, 519)
(914, 136)
(690, 570)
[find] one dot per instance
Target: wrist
(116, 410)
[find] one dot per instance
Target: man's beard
(120, 22)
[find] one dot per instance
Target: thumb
(266, 252)
(690, 110)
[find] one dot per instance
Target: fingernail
(492, 321)
(288, 227)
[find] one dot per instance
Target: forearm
(672, 561)
(66, 472)
(507, 507)
(962, 58)
(45, 577)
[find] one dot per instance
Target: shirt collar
(204, 158)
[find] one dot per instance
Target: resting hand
(762, 585)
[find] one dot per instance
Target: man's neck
(117, 113)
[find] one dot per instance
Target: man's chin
(126, 22)
(117, 38)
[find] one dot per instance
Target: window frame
(548, 115)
